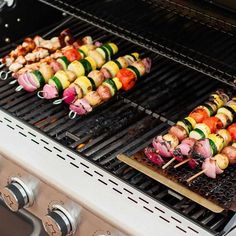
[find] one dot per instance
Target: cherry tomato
(232, 131)
(127, 78)
(213, 123)
(199, 114)
(72, 55)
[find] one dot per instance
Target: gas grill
(72, 165)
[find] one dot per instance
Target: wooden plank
(154, 174)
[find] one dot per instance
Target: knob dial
(15, 196)
(58, 223)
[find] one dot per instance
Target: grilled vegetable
(73, 92)
(232, 131)
(127, 78)
(107, 50)
(230, 152)
(188, 123)
(153, 156)
(201, 131)
(179, 132)
(216, 143)
(225, 135)
(72, 55)
(83, 66)
(213, 123)
(222, 161)
(199, 114)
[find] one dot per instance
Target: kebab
(223, 155)
(83, 84)
(209, 126)
(167, 146)
(42, 49)
(125, 79)
(30, 80)
(56, 86)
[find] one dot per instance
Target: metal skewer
(19, 88)
(59, 101)
(13, 82)
(1, 65)
(72, 115)
(40, 94)
(4, 74)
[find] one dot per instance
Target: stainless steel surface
(22, 223)
(62, 220)
(49, 198)
(15, 198)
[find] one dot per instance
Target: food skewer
(33, 50)
(223, 118)
(183, 128)
(44, 71)
(182, 163)
(168, 163)
(109, 69)
(215, 165)
(125, 79)
(195, 176)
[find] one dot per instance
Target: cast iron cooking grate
(126, 123)
(178, 32)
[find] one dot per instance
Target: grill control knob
(59, 222)
(16, 195)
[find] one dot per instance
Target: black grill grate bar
(111, 105)
(30, 111)
(61, 121)
(218, 224)
(47, 115)
(25, 102)
(7, 95)
(198, 214)
(14, 105)
(53, 120)
(77, 132)
(93, 146)
(208, 219)
(125, 144)
(63, 127)
(146, 139)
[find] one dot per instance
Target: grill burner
(126, 124)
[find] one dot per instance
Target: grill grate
(126, 124)
(175, 31)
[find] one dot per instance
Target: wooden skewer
(195, 176)
(182, 163)
(168, 163)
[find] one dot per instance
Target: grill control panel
(60, 215)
